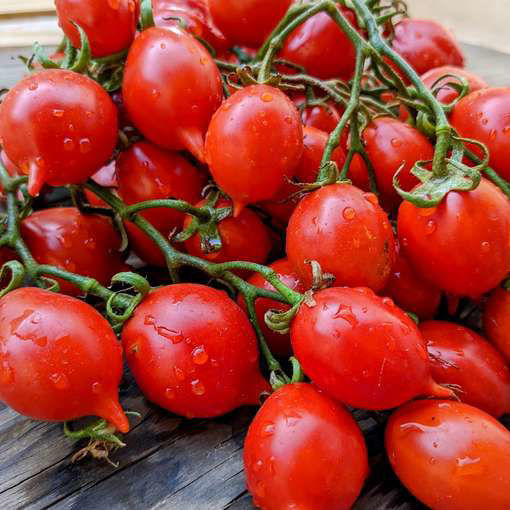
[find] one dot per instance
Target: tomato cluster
(224, 164)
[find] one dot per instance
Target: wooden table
(169, 463)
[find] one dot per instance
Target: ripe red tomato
(58, 127)
(324, 117)
(362, 349)
(254, 142)
(171, 89)
(447, 94)
(485, 116)
(110, 25)
(192, 351)
(278, 344)
(450, 455)
(346, 232)
(247, 22)
(389, 144)
(304, 450)
(106, 177)
(496, 320)
(461, 246)
(461, 357)
(59, 358)
(86, 244)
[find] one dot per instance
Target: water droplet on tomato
(485, 121)
(486, 246)
(506, 130)
(197, 387)
(372, 198)
(268, 430)
(162, 46)
(179, 374)
(395, 142)
(493, 134)
(468, 466)
(266, 97)
(345, 312)
(68, 144)
(388, 301)
(97, 388)
(33, 86)
(169, 393)
(59, 380)
(199, 355)
(427, 211)
(430, 227)
(349, 213)
(257, 466)
(85, 145)
(114, 4)
(57, 113)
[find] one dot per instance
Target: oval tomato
(324, 117)
(496, 320)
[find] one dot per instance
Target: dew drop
(179, 374)
(468, 466)
(33, 86)
(197, 387)
(430, 227)
(266, 97)
(85, 145)
(268, 430)
(486, 246)
(257, 466)
(395, 142)
(68, 144)
(345, 312)
(493, 134)
(506, 130)
(427, 211)
(169, 393)
(57, 113)
(349, 213)
(162, 46)
(97, 388)
(372, 198)
(199, 355)
(59, 380)
(114, 4)
(485, 121)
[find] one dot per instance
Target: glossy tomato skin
(278, 344)
(462, 245)
(110, 26)
(496, 320)
(192, 351)
(346, 232)
(304, 450)
(389, 143)
(60, 359)
(171, 88)
(485, 116)
(247, 22)
(324, 117)
(106, 177)
(450, 455)
(86, 244)
(254, 142)
(461, 357)
(58, 127)
(362, 349)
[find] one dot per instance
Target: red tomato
(485, 116)
(278, 344)
(461, 357)
(247, 22)
(254, 142)
(389, 144)
(362, 349)
(450, 455)
(106, 177)
(192, 351)
(86, 244)
(110, 25)
(59, 358)
(447, 94)
(496, 320)
(58, 127)
(346, 232)
(171, 89)
(462, 245)
(324, 117)
(304, 450)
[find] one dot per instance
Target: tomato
(192, 351)
(278, 344)
(346, 232)
(389, 144)
(247, 22)
(324, 117)
(59, 358)
(462, 245)
(321, 47)
(106, 177)
(450, 455)
(446, 94)
(496, 320)
(171, 88)
(254, 142)
(361, 349)
(86, 244)
(110, 25)
(304, 450)
(485, 116)
(461, 357)
(58, 127)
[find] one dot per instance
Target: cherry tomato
(485, 116)
(446, 94)
(106, 177)
(171, 89)
(278, 344)
(450, 455)
(324, 117)
(254, 142)
(462, 245)
(248, 22)
(59, 358)
(304, 450)
(86, 244)
(458, 356)
(346, 232)
(389, 144)
(58, 127)
(192, 351)
(496, 320)
(110, 26)
(362, 350)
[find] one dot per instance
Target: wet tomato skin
(461, 357)
(299, 435)
(60, 359)
(324, 117)
(496, 320)
(193, 351)
(450, 455)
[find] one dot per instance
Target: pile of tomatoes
(397, 307)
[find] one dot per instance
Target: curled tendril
(16, 272)
(49, 284)
(134, 280)
(280, 321)
(84, 55)
(297, 372)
